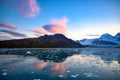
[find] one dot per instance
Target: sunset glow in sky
(77, 19)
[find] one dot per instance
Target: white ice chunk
(68, 71)
(74, 76)
(90, 75)
(36, 79)
(32, 72)
(60, 75)
(28, 52)
(4, 74)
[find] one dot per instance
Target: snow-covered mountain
(118, 35)
(110, 38)
(87, 41)
(104, 40)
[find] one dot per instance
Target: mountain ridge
(46, 41)
(105, 40)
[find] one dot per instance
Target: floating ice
(32, 72)
(37, 79)
(68, 71)
(90, 75)
(4, 74)
(28, 52)
(74, 76)
(60, 75)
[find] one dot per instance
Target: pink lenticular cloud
(55, 28)
(40, 31)
(7, 25)
(62, 21)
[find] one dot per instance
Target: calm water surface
(60, 64)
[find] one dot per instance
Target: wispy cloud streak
(7, 25)
(27, 8)
(40, 31)
(92, 35)
(13, 33)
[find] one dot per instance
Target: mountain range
(46, 41)
(105, 40)
(61, 41)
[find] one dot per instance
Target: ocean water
(60, 64)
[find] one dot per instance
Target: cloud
(92, 35)
(4, 38)
(6, 25)
(57, 26)
(13, 33)
(38, 35)
(52, 28)
(27, 8)
(40, 31)
(62, 21)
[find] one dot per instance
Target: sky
(76, 19)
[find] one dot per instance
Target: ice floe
(74, 76)
(68, 71)
(60, 76)
(4, 74)
(32, 72)
(28, 52)
(89, 75)
(37, 79)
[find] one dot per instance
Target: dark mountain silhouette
(46, 41)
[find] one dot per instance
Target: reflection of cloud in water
(97, 63)
(41, 65)
(93, 64)
(106, 54)
(88, 61)
(60, 68)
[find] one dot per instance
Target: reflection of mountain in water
(54, 54)
(60, 64)
(55, 57)
(108, 54)
(60, 54)
(110, 57)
